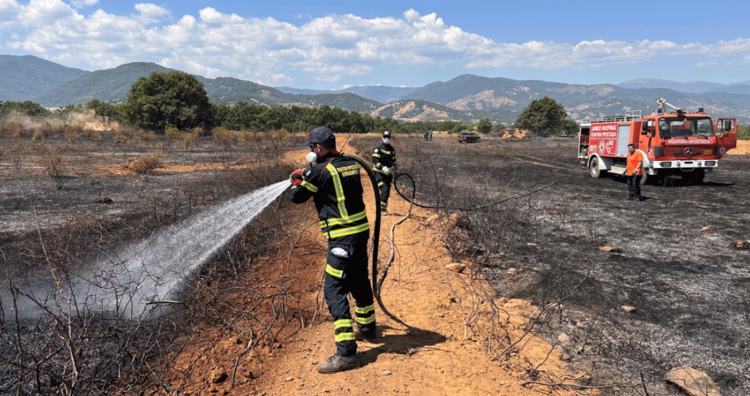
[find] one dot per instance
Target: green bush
(743, 132)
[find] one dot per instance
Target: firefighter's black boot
(337, 363)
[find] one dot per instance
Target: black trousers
(346, 272)
(384, 185)
(634, 187)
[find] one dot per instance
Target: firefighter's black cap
(321, 135)
(386, 134)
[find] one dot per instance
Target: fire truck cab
(672, 143)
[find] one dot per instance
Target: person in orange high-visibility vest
(634, 173)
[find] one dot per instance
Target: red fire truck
(672, 143)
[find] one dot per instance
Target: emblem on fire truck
(601, 147)
(688, 151)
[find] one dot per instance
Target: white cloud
(83, 3)
(266, 50)
(151, 10)
(327, 78)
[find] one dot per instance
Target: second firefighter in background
(384, 165)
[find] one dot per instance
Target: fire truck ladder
(633, 115)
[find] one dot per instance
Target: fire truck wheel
(657, 179)
(595, 169)
(694, 177)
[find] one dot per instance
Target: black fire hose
(413, 192)
(376, 231)
(393, 228)
(376, 241)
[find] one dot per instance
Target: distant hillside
(691, 86)
(225, 90)
(475, 93)
(742, 88)
(377, 93)
(347, 101)
(420, 110)
(24, 77)
(466, 98)
(111, 85)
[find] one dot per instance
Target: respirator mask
(311, 157)
(386, 140)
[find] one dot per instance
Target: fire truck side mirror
(644, 128)
(727, 125)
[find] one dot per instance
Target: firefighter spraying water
(672, 143)
(334, 184)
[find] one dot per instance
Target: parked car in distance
(467, 137)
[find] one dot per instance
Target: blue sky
(332, 44)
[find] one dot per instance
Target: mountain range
(697, 87)
(465, 98)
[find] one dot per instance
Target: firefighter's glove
(386, 170)
(297, 176)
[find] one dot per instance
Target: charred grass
(52, 229)
(534, 221)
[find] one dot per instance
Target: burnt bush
(53, 162)
(55, 341)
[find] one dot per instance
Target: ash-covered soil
(51, 230)
(690, 288)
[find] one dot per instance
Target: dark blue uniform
(384, 155)
(335, 185)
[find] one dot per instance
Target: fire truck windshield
(685, 127)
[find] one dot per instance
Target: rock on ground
(692, 381)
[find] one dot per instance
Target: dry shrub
(172, 134)
(146, 136)
(96, 136)
(280, 137)
(224, 137)
(126, 134)
(53, 162)
(144, 164)
(73, 132)
(38, 136)
(15, 155)
(190, 138)
(52, 128)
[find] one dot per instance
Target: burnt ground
(52, 226)
(690, 289)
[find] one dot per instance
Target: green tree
(172, 98)
(484, 126)
(29, 108)
(543, 115)
(571, 127)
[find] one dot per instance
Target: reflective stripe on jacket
(336, 188)
(383, 155)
